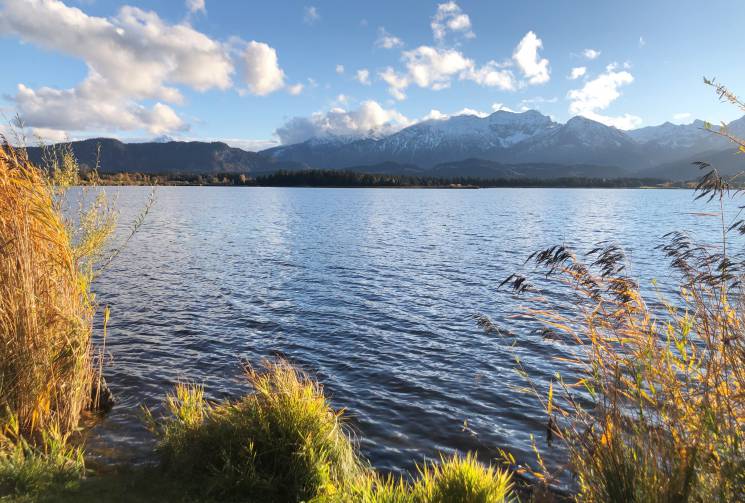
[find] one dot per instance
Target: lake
(373, 291)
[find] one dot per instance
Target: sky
(256, 74)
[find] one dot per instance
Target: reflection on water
(373, 291)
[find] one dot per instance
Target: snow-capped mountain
(507, 137)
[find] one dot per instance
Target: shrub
(283, 442)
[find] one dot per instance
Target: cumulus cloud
(369, 119)
(642, 42)
(491, 75)
(339, 69)
(295, 89)
(431, 67)
(311, 15)
(578, 72)
(387, 41)
(434, 68)
(262, 72)
(397, 83)
(534, 68)
(598, 94)
(195, 6)
(87, 107)
(591, 53)
(363, 76)
(132, 57)
(450, 18)
(682, 116)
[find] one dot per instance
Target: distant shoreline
(353, 179)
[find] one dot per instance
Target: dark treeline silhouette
(340, 178)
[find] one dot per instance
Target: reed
(46, 308)
(657, 413)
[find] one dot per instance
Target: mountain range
(501, 145)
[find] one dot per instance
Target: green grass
(283, 442)
(30, 469)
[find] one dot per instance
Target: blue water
(373, 291)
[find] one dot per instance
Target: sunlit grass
(283, 442)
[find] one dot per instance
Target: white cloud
(132, 56)
(591, 53)
(341, 99)
(295, 89)
(195, 6)
(496, 107)
(436, 115)
(450, 17)
(642, 42)
(311, 15)
(431, 67)
(491, 75)
(534, 68)
(262, 72)
(397, 83)
(49, 136)
(434, 68)
(578, 72)
(87, 107)
(471, 111)
(369, 118)
(682, 117)
(363, 76)
(339, 69)
(597, 95)
(537, 100)
(246, 143)
(386, 40)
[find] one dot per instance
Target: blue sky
(255, 73)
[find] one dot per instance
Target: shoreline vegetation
(655, 411)
(353, 179)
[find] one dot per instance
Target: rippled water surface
(371, 290)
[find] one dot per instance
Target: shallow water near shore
(371, 291)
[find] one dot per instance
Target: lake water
(373, 291)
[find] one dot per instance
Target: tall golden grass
(657, 413)
(46, 305)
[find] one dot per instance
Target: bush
(283, 442)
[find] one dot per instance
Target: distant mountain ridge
(518, 138)
(503, 144)
(161, 157)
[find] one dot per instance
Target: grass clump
(455, 479)
(283, 442)
(462, 480)
(35, 469)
